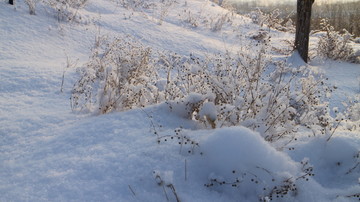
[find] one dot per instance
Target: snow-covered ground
(50, 153)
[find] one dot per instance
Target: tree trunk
(11, 2)
(303, 27)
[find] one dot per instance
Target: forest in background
(340, 15)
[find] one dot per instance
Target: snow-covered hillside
(48, 152)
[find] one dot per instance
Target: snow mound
(239, 162)
(241, 149)
(336, 162)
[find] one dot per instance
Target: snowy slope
(49, 153)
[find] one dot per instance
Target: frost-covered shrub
(260, 35)
(287, 47)
(257, 17)
(354, 112)
(335, 45)
(189, 18)
(32, 6)
(271, 20)
(164, 8)
(249, 90)
(312, 107)
(119, 76)
(289, 26)
(214, 22)
(217, 22)
(135, 4)
(66, 10)
(357, 40)
(182, 138)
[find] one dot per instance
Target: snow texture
(49, 153)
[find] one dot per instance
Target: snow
(50, 153)
(208, 109)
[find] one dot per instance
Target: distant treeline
(340, 15)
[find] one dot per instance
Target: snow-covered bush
(335, 45)
(357, 40)
(257, 17)
(248, 90)
(260, 35)
(354, 111)
(164, 9)
(217, 22)
(189, 18)
(289, 26)
(32, 6)
(135, 4)
(119, 76)
(66, 10)
(271, 20)
(221, 90)
(287, 47)
(214, 22)
(219, 2)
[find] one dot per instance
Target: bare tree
(303, 27)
